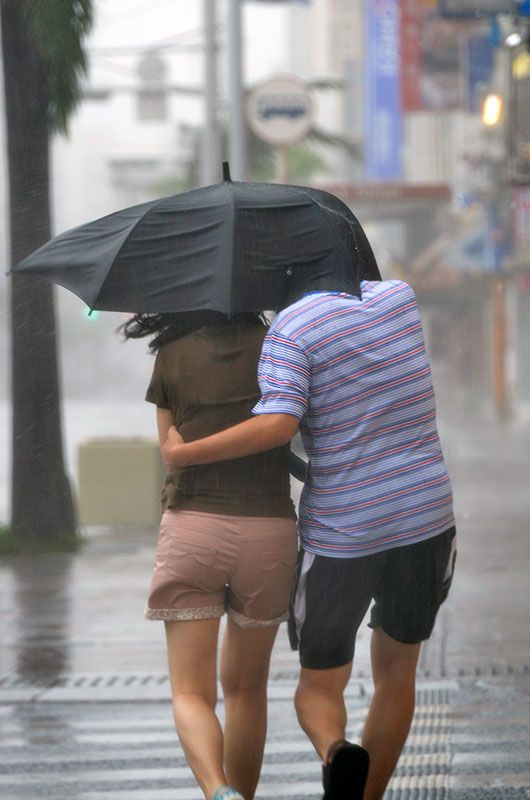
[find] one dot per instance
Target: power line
(97, 52)
(169, 43)
(138, 10)
(104, 63)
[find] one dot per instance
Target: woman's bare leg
(192, 660)
(244, 674)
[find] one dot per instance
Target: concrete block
(119, 482)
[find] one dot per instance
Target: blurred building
(431, 188)
(125, 140)
(427, 189)
(126, 145)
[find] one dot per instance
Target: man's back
(356, 373)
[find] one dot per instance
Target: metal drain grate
(138, 680)
(145, 687)
(465, 671)
(87, 681)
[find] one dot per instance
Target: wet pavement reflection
(84, 701)
(41, 617)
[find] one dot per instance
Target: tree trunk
(42, 506)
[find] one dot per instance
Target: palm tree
(43, 61)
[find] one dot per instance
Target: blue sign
(471, 9)
(479, 68)
(384, 124)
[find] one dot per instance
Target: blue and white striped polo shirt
(355, 373)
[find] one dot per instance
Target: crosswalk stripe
(105, 752)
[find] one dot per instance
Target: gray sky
(128, 23)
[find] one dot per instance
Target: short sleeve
(156, 391)
(283, 377)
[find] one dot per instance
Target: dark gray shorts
(331, 596)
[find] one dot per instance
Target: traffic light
(90, 314)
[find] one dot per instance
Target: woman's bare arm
(164, 421)
(254, 435)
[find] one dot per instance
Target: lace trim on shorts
(178, 614)
(245, 622)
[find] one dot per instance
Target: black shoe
(344, 775)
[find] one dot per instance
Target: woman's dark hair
(167, 327)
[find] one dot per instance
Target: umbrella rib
(115, 258)
(232, 198)
(321, 206)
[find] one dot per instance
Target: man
(375, 518)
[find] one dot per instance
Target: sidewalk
(84, 709)
(470, 740)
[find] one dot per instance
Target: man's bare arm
(255, 435)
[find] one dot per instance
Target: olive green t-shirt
(208, 380)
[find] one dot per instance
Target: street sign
(280, 110)
(471, 9)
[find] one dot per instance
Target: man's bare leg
(391, 710)
(319, 703)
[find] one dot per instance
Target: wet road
(469, 741)
(83, 698)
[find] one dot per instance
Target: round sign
(280, 110)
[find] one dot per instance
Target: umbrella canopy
(230, 247)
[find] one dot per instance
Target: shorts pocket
(194, 565)
(204, 557)
(272, 559)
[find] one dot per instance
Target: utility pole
(210, 155)
(237, 150)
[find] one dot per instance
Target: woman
(227, 542)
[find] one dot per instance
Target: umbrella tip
(226, 171)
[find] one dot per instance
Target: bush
(11, 544)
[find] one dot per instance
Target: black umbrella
(229, 247)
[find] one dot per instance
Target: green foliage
(171, 184)
(58, 28)
(317, 134)
(11, 544)
(302, 163)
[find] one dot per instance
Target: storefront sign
(383, 96)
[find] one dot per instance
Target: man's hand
(254, 435)
(171, 449)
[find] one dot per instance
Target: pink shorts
(207, 564)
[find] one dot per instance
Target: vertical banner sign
(479, 70)
(383, 94)
(411, 17)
